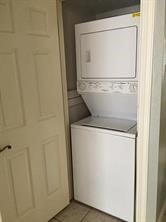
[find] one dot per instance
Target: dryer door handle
(87, 56)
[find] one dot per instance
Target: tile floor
(164, 217)
(77, 212)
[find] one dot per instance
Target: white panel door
(33, 173)
(110, 54)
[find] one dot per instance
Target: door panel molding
(38, 22)
(20, 161)
(52, 178)
(6, 17)
(12, 116)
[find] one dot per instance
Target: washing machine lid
(121, 125)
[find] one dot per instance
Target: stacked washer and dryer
(104, 144)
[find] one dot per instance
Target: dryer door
(109, 54)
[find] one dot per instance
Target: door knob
(5, 147)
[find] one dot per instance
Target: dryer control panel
(106, 87)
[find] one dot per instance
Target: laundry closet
(102, 46)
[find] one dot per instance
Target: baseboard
(162, 213)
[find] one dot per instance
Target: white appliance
(103, 145)
(103, 151)
(107, 76)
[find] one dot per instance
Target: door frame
(65, 94)
(148, 21)
(144, 98)
(148, 95)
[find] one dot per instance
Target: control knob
(82, 86)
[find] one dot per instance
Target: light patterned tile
(75, 212)
(96, 216)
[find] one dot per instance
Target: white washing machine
(103, 151)
(103, 145)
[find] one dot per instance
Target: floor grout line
(85, 215)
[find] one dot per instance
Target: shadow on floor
(77, 212)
